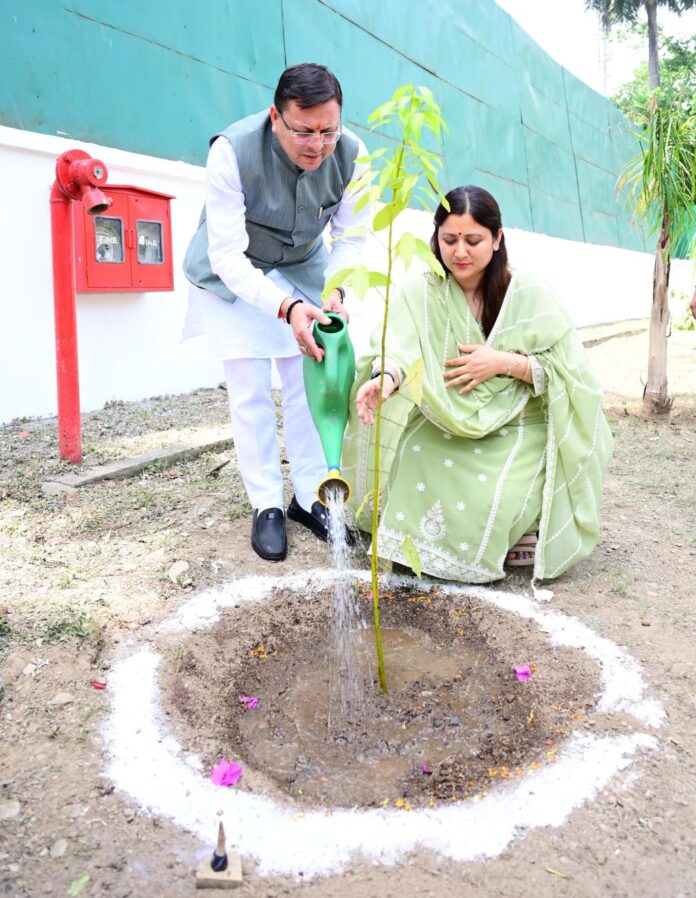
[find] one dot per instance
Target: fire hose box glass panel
(108, 239)
(149, 237)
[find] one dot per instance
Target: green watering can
(327, 385)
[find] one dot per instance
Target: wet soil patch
(455, 721)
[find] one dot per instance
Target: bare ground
(82, 571)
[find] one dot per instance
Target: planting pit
(455, 722)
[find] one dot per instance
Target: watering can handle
(330, 361)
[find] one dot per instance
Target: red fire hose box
(128, 247)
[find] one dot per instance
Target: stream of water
(350, 661)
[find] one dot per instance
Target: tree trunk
(653, 60)
(656, 399)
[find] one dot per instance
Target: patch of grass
(242, 510)
(71, 624)
(142, 498)
(620, 581)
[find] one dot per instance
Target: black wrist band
(290, 308)
(387, 373)
(342, 292)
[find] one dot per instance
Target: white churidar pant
(246, 339)
(255, 435)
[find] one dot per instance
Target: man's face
(309, 150)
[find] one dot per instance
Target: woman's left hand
(477, 364)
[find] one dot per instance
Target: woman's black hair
(483, 208)
(308, 84)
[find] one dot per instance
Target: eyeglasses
(304, 138)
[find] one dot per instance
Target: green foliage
(677, 76)
(70, 624)
(661, 180)
(395, 177)
(408, 547)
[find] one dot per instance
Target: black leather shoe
(317, 520)
(268, 538)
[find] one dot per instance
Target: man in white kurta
(240, 295)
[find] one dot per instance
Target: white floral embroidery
(461, 506)
(399, 516)
(432, 524)
(416, 448)
(420, 487)
(482, 478)
(478, 450)
(447, 436)
(448, 462)
(463, 547)
(503, 431)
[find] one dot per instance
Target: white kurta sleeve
(227, 235)
(346, 250)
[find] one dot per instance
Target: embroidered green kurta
(465, 475)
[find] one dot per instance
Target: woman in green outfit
(498, 454)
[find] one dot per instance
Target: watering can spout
(327, 385)
(333, 485)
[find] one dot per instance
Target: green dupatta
(428, 317)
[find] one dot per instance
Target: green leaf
(413, 382)
(406, 248)
(355, 231)
(382, 111)
(336, 280)
(362, 201)
(424, 252)
(78, 885)
(386, 215)
(365, 499)
(407, 186)
(408, 547)
(402, 92)
(377, 279)
(360, 280)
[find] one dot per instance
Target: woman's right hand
(366, 398)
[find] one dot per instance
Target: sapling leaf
(413, 382)
(383, 110)
(336, 280)
(426, 254)
(405, 249)
(360, 280)
(362, 201)
(411, 555)
(355, 231)
(386, 215)
(365, 499)
(378, 279)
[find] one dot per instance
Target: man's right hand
(303, 315)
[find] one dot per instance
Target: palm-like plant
(661, 180)
(662, 184)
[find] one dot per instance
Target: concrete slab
(129, 467)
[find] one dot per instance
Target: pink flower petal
(523, 672)
(250, 701)
(426, 770)
(225, 773)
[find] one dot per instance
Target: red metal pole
(62, 239)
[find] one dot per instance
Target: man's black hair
(308, 85)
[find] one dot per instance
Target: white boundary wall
(129, 344)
